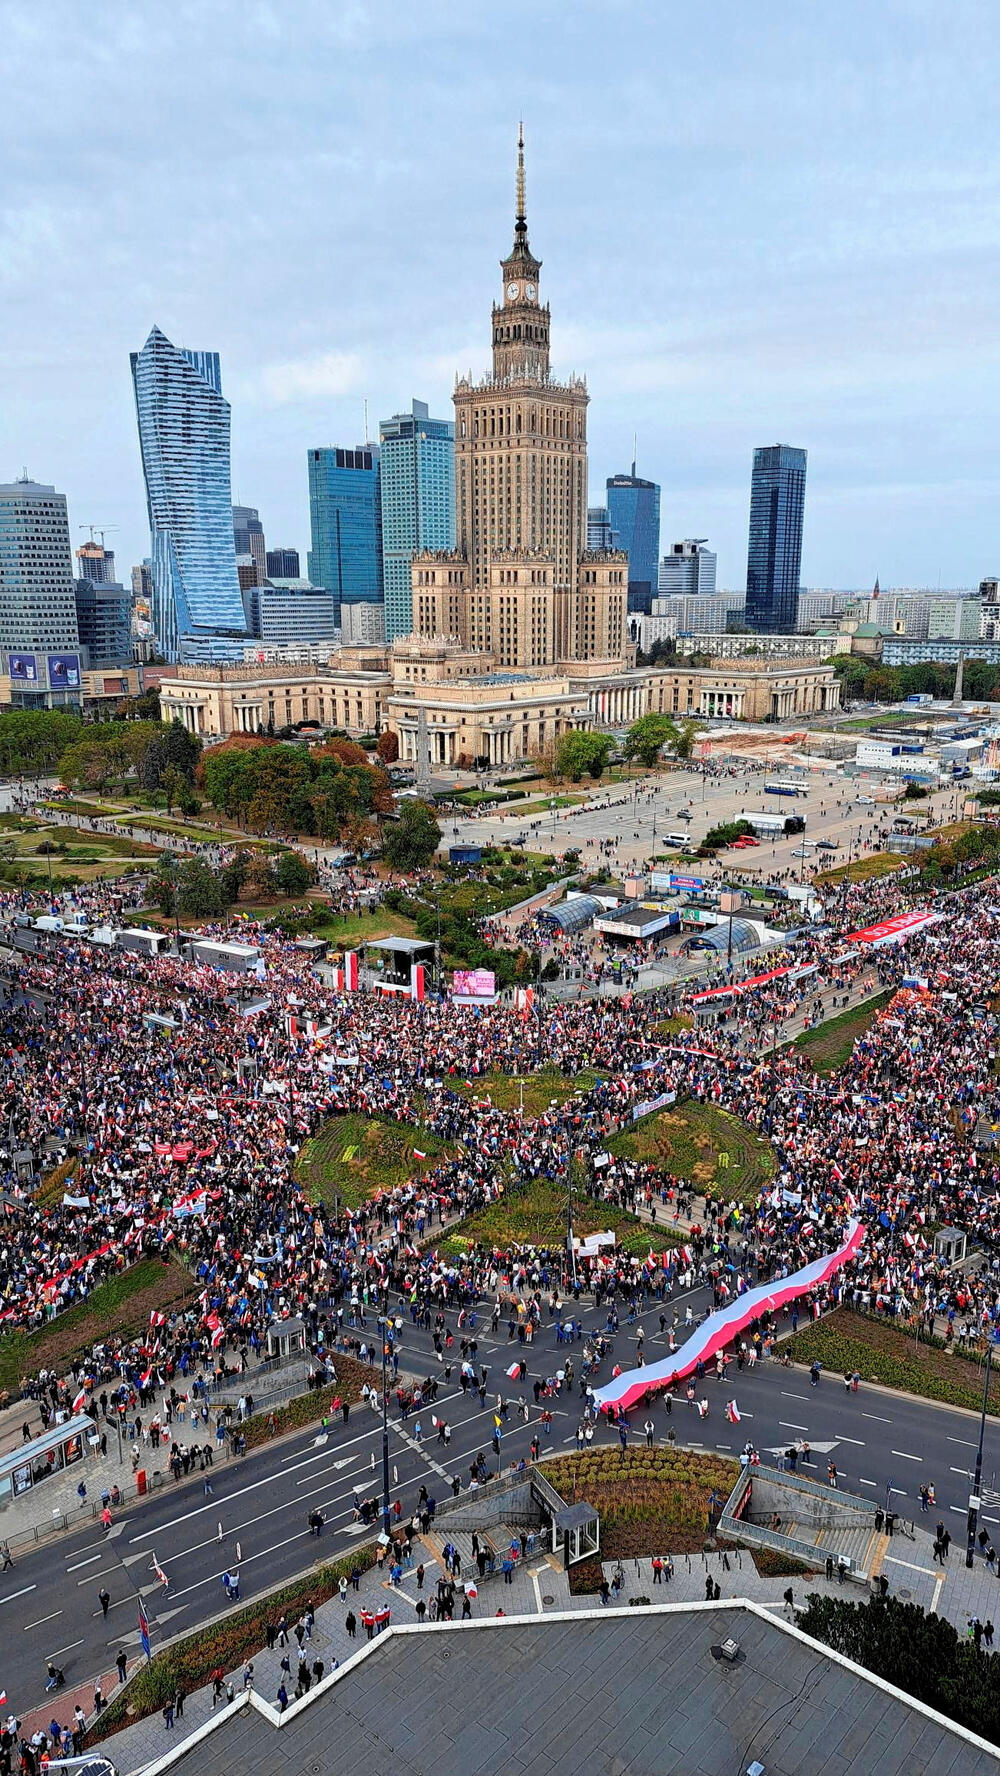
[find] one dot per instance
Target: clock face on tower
(529, 289)
(511, 292)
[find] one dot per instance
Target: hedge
(882, 1352)
(188, 1665)
(305, 1409)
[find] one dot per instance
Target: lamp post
(975, 1497)
(570, 1247)
(384, 1327)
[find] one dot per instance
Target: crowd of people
(185, 1118)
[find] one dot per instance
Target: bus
(785, 789)
(774, 826)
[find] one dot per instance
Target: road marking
(787, 1396)
(964, 1442)
(42, 1619)
(963, 1471)
(334, 1466)
(88, 1562)
(856, 1440)
(904, 1455)
(785, 1426)
(65, 1649)
(12, 1594)
(900, 1489)
(959, 1508)
(930, 1572)
(868, 1482)
(878, 1416)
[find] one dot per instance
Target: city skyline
(835, 285)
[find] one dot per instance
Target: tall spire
(520, 216)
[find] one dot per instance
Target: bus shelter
(59, 1448)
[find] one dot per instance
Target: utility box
(949, 1245)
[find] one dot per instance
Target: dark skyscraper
(634, 516)
(774, 557)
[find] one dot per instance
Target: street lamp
(570, 1247)
(975, 1497)
(384, 1327)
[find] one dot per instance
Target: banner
(895, 930)
(721, 1328)
(473, 983)
(648, 1105)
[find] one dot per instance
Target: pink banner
(721, 1328)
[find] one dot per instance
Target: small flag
(3, 1696)
(497, 1420)
(417, 1154)
(514, 1371)
(81, 1400)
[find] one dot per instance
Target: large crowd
(185, 1114)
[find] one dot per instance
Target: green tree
(87, 765)
(578, 752)
(648, 736)
(171, 783)
(293, 874)
(683, 746)
(200, 894)
(33, 739)
(411, 841)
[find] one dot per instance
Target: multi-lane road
(884, 1446)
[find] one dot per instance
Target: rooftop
(633, 1691)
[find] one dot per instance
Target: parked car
(826, 845)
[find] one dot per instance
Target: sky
(757, 224)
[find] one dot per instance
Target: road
(883, 1445)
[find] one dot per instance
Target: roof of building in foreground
(630, 1691)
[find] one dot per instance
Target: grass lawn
(690, 1140)
(353, 1156)
(540, 1089)
(122, 1305)
(349, 930)
(863, 869)
(830, 1046)
(534, 1214)
(655, 1502)
(556, 801)
(845, 1341)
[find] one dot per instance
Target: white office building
(687, 570)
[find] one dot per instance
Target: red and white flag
(81, 1400)
(732, 1412)
(514, 1371)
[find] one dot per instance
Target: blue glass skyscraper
(184, 439)
(418, 502)
(345, 517)
(634, 514)
(774, 557)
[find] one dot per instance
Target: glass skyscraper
(634, 515)
(184, 439)
(418, 502)
(774, 557)
(345, 517)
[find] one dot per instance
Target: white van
(676, 838)
(49, 922)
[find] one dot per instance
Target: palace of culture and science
(520, 633)
(521, 585)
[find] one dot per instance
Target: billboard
(473, 983)
(23, 668)
(64, 672)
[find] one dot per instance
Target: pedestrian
(168, 1716)
(122, 1664)
(351, 1625)
(104, 1599)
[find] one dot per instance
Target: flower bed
(712, 1150)
(534, 1214)
(655, 1502)
(353, 1156)
(189, 1664)
(844, 1342)
(307, 1409)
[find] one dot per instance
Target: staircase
(861, 1544)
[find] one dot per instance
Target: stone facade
(475, 711)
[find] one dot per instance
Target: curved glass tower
(184, 438)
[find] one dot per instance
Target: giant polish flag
(721, 1328)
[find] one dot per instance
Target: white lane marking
(964, 1442)
(856, 1440)
(42, 1619)
(905, 1455)
(959, 1508)
(785, 1426)
(868, 1483)
(910, 1566)
(88, 1562)
(12, 1594)
(963, 1471)
(878, 1416)
(900, 1489)
(787, 1396)
(101, 1574)
(65, 1649)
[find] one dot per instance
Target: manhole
(548, 1599)
(906, 1595)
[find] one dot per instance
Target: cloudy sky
(757, 223)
